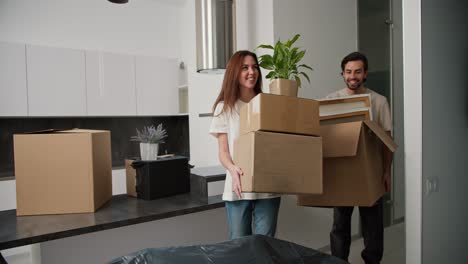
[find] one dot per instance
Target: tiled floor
(394, 246)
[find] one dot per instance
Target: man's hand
(387, 181)
(236, 173)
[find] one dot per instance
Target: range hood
(215, 34)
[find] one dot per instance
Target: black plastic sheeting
(250, 249)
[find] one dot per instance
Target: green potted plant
(150, 138)
(284, 67)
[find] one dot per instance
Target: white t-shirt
(228, 122)
(379, 107)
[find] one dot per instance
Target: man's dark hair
(354, 56)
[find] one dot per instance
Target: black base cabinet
(162, 177)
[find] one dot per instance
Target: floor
(394, 246)
(394, 252)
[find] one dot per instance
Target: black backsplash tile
(122, 128)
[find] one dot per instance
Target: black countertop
(121, 210)
(213, 173)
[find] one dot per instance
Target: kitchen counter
(121, 210)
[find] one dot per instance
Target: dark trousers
(372, 231)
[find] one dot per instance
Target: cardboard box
(352, 165)
(345, 109)
(277, 113)
(152, 179)
(279, 163)
(130, 175)
(59, 172)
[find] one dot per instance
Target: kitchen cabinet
(56, 81)
(110, 84)
(13, 90)
(157, 85)
(50, 81)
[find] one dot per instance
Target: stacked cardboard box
(352, 161)
(60, 172)
(279, 148)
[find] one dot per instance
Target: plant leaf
(305, 75)
(298, 80)
(283, 63)
(266, 62)
(306, 66)
(299, 56)
(264, 47)
(270, 75)
(291, 41)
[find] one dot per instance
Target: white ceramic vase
(149, 151)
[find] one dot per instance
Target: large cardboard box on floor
(352, 165)
(279, 163)
(277, 113)
(59, 172)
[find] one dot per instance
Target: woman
(242, 82)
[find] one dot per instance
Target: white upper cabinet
(56, 81)
(157, 85)
(13, 91)
(110, 84)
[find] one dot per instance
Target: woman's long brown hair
(230, 91)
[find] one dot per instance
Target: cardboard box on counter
(59, 172)
(279, 163)
(352, 165)
(277, 113)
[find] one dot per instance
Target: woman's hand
(236, 173)
(226, 160)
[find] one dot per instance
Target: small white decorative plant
(150, 138)
(150, 134)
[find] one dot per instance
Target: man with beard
(354, 71)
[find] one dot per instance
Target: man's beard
(354, 86)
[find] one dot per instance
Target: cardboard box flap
(44, 131)
(55, 130)
(79, 130)
(340, 140)
(382, 135)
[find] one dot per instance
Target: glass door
(374, 40)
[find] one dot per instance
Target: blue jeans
(263, 212)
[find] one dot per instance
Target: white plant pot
(149, 151)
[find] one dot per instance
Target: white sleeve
(385, 119)
(219, 122)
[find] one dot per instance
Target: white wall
(328, 32)
(7, 195)
(203, 90)
(412, 79)
(147, 27)
(254, 25)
